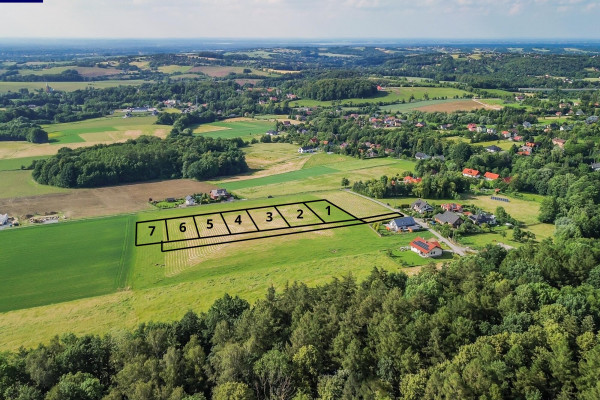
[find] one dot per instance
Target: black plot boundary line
(278, 212)
(233, 211)
(354, 218)
(162, 249)
(196, 226)
(340, 208)
(225, 222)
(252, 219)
(247, 232)
(311, 210)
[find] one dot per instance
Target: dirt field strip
(83, 203)
(488, 106)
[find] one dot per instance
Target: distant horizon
(485, 20)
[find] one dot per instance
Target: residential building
(218, 193)
(190, 201)
(471, 173)
(426, 248)
(493, 149)
(490, 176)
(410, 179)
(3, 219)
(406, 224)
(483, 218)
(596, 166)
(452, 207)
(306, 149)
(421, 206)
(450, 218)
(559, 142)
(422, 156)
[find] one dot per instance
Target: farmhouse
(306, 149)
(559, 142)
(189, 201)
(449, 218)
(471, 173)
(527, 125)
(218, 193)
(472, 127)
(272, 133)
(493, 149)
(403, 224)
(422, 156)
(452, 207)
(421, 206)
(506, 134)
(592, 119)
(426, 248)
(596, 166)
(490, 176)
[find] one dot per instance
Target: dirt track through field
(80, 203)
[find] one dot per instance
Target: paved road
(461, 251)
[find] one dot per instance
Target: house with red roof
(559, 142)
(471, 173)
(452, 207)
(426, 248)
(410, 179)
(472, 127)
(490, 176)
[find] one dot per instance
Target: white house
(189, 201)
(426, 248)
(305, 149)
(3, 219)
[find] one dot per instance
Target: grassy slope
(392, 95)
(229, 130)
(21, 184)
(13, 164)
(165, 285)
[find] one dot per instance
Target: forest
(143, 159)
(495, 325)
(22, 129)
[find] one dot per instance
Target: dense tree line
(22, 129)
(143, 159)
(445, 184)
(495, 325)
(338, 89)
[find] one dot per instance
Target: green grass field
(85, 263)
(105, 129)
(21, 184)
(228, 130)
(406, 107)
(64, 261)
(389, 96)
(14, 164)
(503, 144)
(66, 86)
(320, 172)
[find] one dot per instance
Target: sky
(396, 19)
